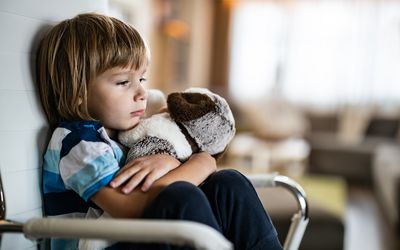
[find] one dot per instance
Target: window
(317, 52)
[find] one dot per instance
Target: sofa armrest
(351, 160)
(386, 180)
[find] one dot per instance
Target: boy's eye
(142, 79)
(123, 83)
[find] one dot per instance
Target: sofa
(349, 157)
(372, 160)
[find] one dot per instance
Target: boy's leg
(239, 211)
(180, 201)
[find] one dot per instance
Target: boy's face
(117, 98)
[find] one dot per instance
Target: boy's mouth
(138, 112)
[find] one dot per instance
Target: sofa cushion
(327, 198)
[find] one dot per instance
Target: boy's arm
(132, 205)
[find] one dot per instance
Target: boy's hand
(148, 169)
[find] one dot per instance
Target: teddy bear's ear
(185, 107)
(155, 102)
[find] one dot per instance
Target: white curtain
(317, 52)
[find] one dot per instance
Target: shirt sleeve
(87, 163)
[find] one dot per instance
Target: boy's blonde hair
(73, 53)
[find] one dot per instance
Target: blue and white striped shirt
(79, 161)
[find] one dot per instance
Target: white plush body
(160, 126)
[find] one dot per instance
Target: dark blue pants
(225, 201)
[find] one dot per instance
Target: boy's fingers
(150, 179)
(134, 181)
(123, 176)
(131, 164)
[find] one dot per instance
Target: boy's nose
(140, 94)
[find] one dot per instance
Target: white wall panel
(16, 71)
(52, 10)
(19, 33)
(20, 110)
(18, 241)
(31, 248)
(22, 191)
(23, 126)
(22, 150)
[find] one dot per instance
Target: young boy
(90, 77)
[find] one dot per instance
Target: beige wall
(176, 64)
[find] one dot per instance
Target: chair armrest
(187, 233)
(301, 218)
(192, 234)
(275, 180)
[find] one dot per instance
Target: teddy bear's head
(204, 116)
(197, 120)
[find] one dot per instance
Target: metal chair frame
(192, 234)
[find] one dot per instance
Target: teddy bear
(196, 120)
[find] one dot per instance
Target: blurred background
(315, 89)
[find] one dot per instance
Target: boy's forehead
(125, 70)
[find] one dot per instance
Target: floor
(365, 227)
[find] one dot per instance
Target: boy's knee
(179, 187)
(229, 177)
(185, 201)
(230, 181)
(182, 193)
(181, 200)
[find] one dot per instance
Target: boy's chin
(129, 127)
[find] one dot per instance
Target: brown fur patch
(185, 107)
